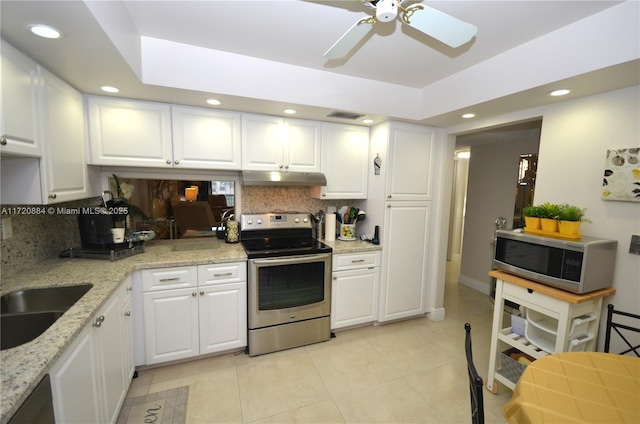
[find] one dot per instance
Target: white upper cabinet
(207, 139)
(63, 134)
(129, 133)
(19, 104)
(271, 143)
(345, 149)
(61, 174)
(411, 151)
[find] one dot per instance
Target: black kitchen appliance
(289, 282)
(95, 224)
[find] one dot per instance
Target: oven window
(288, 286)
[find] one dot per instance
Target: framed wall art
(622, 175)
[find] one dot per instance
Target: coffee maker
(95, 224)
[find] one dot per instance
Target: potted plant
(531, 217)
(570, 217)
(549, 216)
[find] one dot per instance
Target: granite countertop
(24, 366)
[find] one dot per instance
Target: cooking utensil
(338, 218)
(361, 216)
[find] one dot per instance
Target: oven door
(288, 289)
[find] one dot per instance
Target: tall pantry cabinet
(400, 201)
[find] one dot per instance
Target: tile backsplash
(37, 237)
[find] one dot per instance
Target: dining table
(577, 387)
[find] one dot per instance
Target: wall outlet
(634, 248)
(7, 230)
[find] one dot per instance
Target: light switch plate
(634, 248)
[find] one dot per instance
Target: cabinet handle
(129, 288)
(286, 167)
(99, 321)
(335, 278)
(127, 314)
(100, 318)
(389, 196)
(226, 274)
(202, 293)
(176, 161)
(355, 261)
(164, 280)
(3, 140)
(168, 161)
(194, 294)
(280, 166)
(52, 196)
(324, 194)
(388, 206)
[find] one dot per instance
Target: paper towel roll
(330, 227)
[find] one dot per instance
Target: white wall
(575, 137)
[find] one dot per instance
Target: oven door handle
(290, 259)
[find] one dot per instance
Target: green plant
(531, 211)
(549, 210)
(572, 213)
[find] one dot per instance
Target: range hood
(276, 178)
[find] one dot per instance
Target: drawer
(355, 260)
(222, 273)
(543, 303)
(169, 278)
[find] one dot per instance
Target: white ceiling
(294, 33)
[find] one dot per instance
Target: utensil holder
(347, 232)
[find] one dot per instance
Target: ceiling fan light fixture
(45, 31)
(386, 10)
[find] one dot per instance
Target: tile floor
(411, 371)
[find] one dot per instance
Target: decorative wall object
(622, 175)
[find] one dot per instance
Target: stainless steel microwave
(578, 266)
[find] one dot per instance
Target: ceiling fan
(445, 28)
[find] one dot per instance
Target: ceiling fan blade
(350, 38)
(445, 28)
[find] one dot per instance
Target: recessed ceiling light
(560, 92)
(290, 111)
(367, 121)
(463, 155)
(213, 102)
(44, 31)
(109, 89)
(469, 115)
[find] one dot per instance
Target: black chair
(475, 381)
(617, 326)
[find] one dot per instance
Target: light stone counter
(24, 366)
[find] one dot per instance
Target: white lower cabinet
(208, 316)
(354, 289)
(88, 381)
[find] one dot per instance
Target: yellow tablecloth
(585, 387)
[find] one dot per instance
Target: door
(223, 317)
(405, 241)
(206, 139)
(171, 325)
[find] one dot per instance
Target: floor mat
(169, 406)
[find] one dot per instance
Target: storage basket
(511, 369)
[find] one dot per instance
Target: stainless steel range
(289, 282)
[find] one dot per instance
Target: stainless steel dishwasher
(38, 407)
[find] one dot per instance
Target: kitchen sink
(41, 300)
(18, 329)
(26, 314)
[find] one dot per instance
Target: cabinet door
(19, 108)
(410, 173)
(170, 325)
(109, 342)
(302, 150)
(127, 341)
(405, 240)
(206, 139)
(75, 383)
(65, 163)
(223, 317)
(354, 297)
(262, 143)
(130, 133)
(345, 149)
